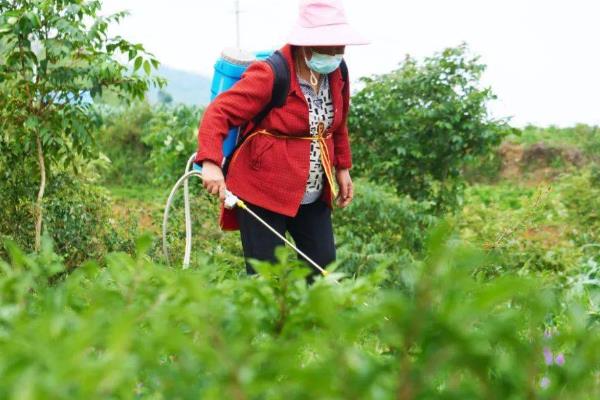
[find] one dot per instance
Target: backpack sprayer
(228, 70)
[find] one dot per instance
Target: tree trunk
(40, 197)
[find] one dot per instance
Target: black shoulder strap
(344, 71)
(281, 85)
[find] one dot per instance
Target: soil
(538, 162)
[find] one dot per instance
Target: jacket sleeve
(234, 107)
(341, 142)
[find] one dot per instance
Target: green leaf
(32, 123)
(147, 67)
(138, 63)
(143, 244)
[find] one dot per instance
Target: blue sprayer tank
(228, 70)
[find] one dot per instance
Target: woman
(284, 170)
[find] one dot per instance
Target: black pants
(311, 230)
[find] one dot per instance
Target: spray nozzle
(231, 200)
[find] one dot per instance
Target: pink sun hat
(324, 23)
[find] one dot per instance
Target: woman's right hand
(213, 179)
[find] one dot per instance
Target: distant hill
(185, 87)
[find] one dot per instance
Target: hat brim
(327, 35)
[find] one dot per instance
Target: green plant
(77, 217)
(583, 202)
(137, 329)
(415, 128)
(380, 225)
(524, 229)
(57, 55)
(530, 229)
(148, 144)
(483, 169)
(120, 138)
(171, 134)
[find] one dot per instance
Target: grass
(140, 206)
(583, 137)
(145, 193)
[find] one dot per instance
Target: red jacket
(271, 172)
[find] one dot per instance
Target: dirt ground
(538, 162)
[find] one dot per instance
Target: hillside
(185, 87)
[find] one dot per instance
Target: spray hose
(231, 201)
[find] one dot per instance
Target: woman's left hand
(346, 189)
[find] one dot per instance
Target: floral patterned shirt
(320, 110)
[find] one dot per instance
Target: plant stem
(40, 197)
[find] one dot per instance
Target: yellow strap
(320, 138)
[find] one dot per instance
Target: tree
(57, 56)
(414, 128)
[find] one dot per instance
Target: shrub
(595, 175)
(149, 144)
(415, 128)
(137, 329)
(77, 217)
(533, 229)
(121, 140)
(523, 228)
(171, 135)
(484, 169)
(582, 199)
(379, 225)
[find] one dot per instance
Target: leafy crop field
(468, 265)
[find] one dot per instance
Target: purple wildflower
(560, 359)
(548, 357)
(545, 382)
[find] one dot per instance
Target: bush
(595, 175)
(484, 169)
(149, 144)
(171, 135)
(121, 140)
(582, 199)
(530, 229)
(380, 225)
(137, 329)
(524, 228)
(415, 127)
(77, 217)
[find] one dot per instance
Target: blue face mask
(324, 63)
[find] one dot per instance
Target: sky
(543, 56)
